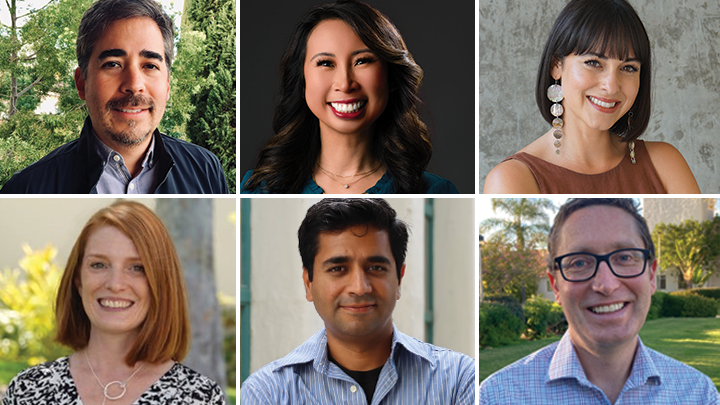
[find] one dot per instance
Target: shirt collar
(315, 350)
(105, 152)
(565, 364)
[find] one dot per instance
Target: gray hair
(103, 12)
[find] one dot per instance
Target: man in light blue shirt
(353, 254)
(601, 266)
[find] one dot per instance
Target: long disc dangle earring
(554, 93)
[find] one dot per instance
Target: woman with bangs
(594, 88)
(348, 118)
(121, 306)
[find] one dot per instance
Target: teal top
(386, 185)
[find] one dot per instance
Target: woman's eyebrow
(332, 55)
(604, 57)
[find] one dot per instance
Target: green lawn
(694, 341)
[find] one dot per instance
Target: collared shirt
(116, 178)
(415, 373)
(554, 376)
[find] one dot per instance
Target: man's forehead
(113, 34)
(352, 236)
(610, 225)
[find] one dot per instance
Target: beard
(133, 135)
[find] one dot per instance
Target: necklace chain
(347, 185)
(369, 172)
(105, 387)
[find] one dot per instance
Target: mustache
(131, 100)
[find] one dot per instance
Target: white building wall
(676, 211)
(544, 289)
(455, 241)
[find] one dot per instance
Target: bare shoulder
(672, 168)
(511, 177)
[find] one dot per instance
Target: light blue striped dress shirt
(554, 376)
(416, 373)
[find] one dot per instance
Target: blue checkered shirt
(415, 373)
(554, 376)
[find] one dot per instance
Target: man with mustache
(124, 52)
(353, 254)
(601, 266)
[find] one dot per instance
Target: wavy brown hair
(165, 333)
(401, 141)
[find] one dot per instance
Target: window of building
(661, 282)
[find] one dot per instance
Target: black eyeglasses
(582, 266)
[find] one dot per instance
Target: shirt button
(132, 186)
(116, 158)
(353, 389)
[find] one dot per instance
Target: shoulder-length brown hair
(165, 333)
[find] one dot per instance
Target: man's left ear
(80, 83)
(308, 284)
(653, 280)
(402, 274)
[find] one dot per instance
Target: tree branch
(34, 11)
(25, 90)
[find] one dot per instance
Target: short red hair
(165, 333)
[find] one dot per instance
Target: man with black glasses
(601, 265)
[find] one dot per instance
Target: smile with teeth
(130, 111)
(602, 103)
(348, 107)
(606, 309)
(115, 303)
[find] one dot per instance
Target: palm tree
(528, 224)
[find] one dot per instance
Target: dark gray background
(440, 37)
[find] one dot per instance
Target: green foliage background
(201, 108)
(27, 316)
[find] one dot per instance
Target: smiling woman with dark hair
(348, 117)
(594, 88)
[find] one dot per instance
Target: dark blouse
(386, 185)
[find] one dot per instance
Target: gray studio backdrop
(440, 35)
(685, 40)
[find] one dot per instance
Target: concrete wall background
(685, 39)
(281, 318)
(58, 221)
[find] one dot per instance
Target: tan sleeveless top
(625, 178)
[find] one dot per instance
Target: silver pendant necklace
(106, 387)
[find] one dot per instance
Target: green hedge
(681, 304)
(708, 292)
(544, 318)
(498, 326)
(509, 302)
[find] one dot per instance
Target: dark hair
(103, 12)
(338, 214)
(400, 141)
(606, 27)
(575, 204)
(165, 333)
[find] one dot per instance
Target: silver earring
(554, 93)
(631, 144)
